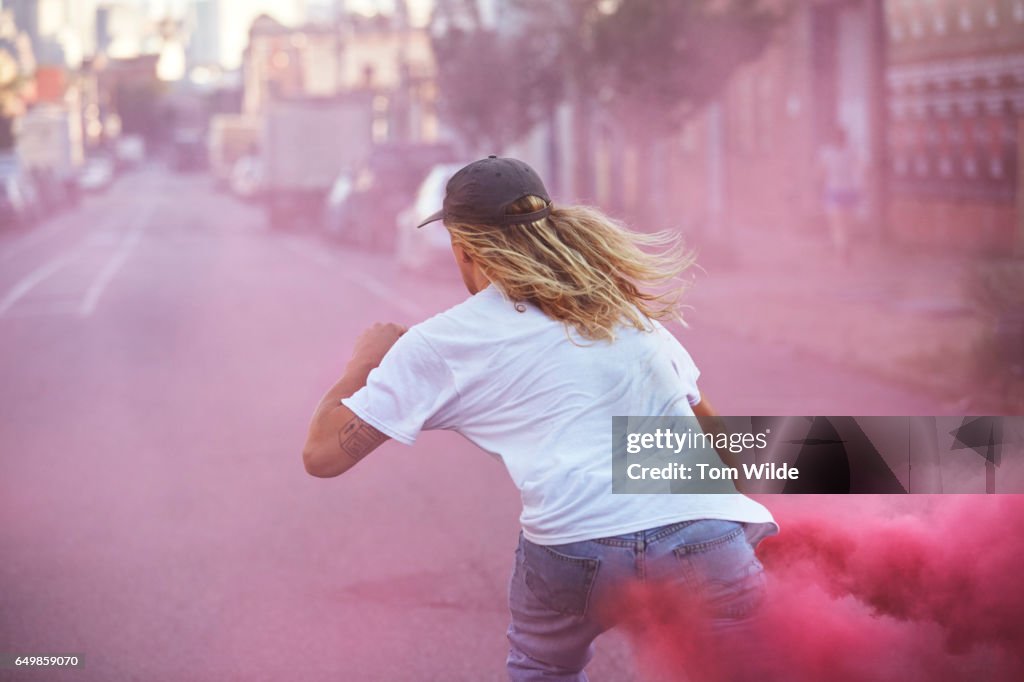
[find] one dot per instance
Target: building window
(793, 106)
(921, 166)
(1006, 132)
(995, 167)
(965, 19)
(1018, 12)
(992, 16)
(970, 167)
(939, 23)
(946, 167)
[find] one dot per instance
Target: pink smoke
(858, 592)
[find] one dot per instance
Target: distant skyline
(235, 17)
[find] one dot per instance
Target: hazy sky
(237, 15)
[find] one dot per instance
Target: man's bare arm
(338, 439)
(357, 439)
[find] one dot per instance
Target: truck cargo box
(306, 143)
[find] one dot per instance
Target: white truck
(49, 146)
(306, 143)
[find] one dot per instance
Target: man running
(561, 333)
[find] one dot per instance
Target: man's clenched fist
(375, 342)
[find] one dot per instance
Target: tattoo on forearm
(357, 438)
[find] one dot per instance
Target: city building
(204, 43)
(45, 23)
(355, 53)
(955, 112)
(929, 94)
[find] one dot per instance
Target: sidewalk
(900, 315)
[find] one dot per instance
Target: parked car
(335, 219)
(54, 192)
(247, 177)
(426, 250)
(21, 189)
(97, 174)
(130, 150)
(364, 214)
(13, 209)
(230, 138)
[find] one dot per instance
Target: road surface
(161, 353)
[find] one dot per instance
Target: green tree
(495, 85)
(650, 63)
(667, 60)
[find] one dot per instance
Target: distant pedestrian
(559, 335)
(841, 174)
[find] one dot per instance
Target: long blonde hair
(580, 267)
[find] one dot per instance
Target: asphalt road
(161, 352)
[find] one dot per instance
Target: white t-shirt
(515, 385)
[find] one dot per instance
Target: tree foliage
(652, 62)
(494, 87)
(670, 59)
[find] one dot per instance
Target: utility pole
(878, 199)
(1019, 242)
(716, 171)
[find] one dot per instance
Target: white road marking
(128, 243)
(364, 280)
(29, 281)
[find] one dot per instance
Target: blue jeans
(563, 596)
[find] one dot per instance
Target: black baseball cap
(482, 191)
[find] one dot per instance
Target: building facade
(955, 90)
(378, 54)
(930, 94)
